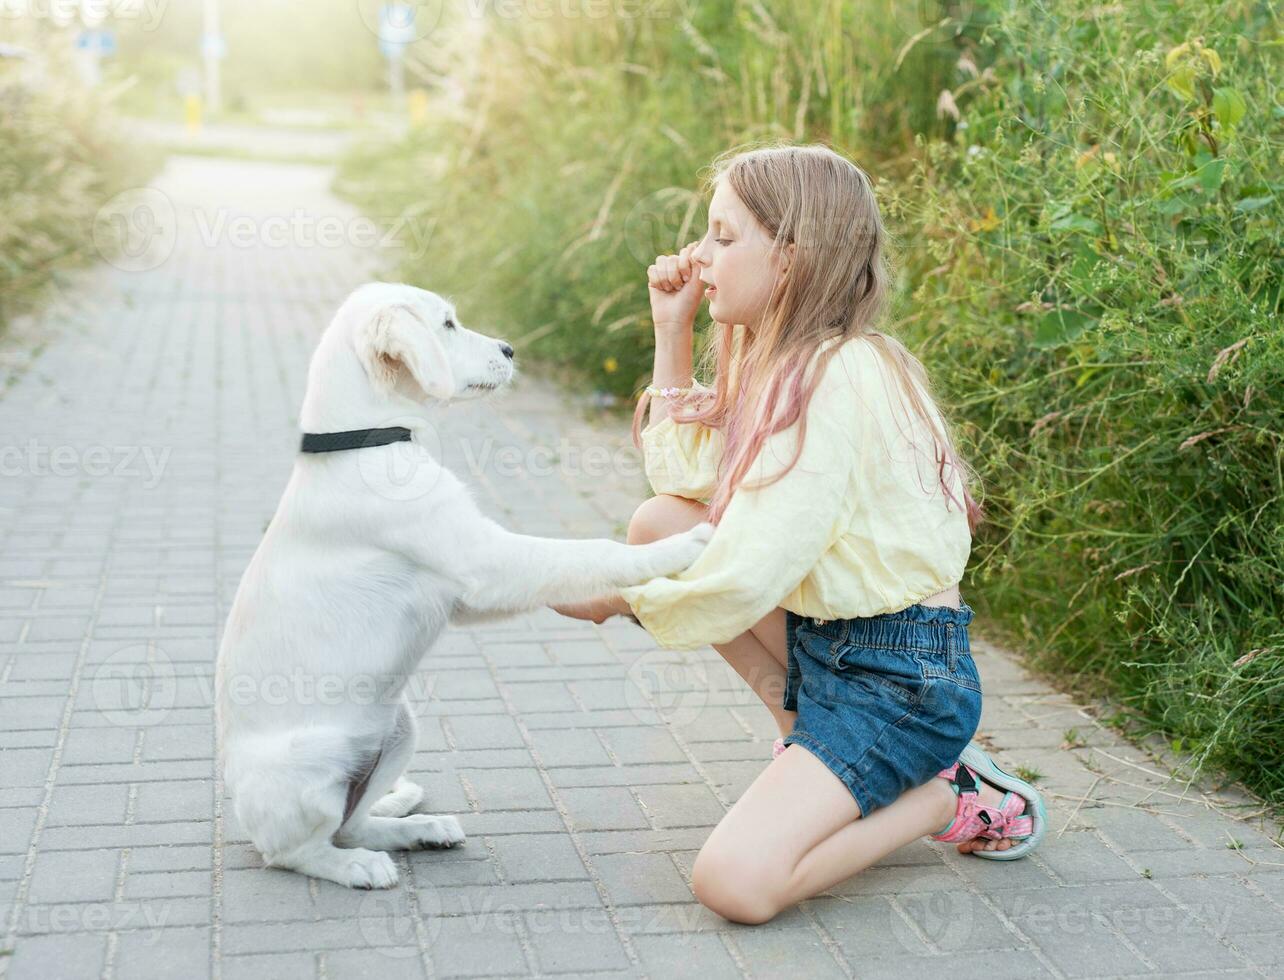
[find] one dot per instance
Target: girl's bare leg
(768, 853)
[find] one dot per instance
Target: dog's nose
(507, 349)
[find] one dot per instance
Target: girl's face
(738, 261)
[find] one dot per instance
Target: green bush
(1086, 199)
(61, 159)
(1097, 268)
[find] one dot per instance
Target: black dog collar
(329, 442)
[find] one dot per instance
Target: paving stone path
(147, 425)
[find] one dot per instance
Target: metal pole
(209, 44)
(397, 83)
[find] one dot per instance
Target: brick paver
(148, 425)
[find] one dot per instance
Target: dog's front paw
(702, 532)
(371, 869)
(677, 552)
(434, 832)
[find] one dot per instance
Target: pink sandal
(1014, 818)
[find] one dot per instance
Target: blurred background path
(149, 422)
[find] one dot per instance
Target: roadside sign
(396, 28)
(213, 46)
(100, 42)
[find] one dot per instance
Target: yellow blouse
(860, 525)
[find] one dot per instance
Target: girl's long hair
(836, 286)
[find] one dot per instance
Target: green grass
(61, 160)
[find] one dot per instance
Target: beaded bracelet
(667, 392)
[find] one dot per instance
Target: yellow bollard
(417, 103)
(192, 114)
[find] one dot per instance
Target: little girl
(831, 583)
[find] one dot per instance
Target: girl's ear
(788, 258)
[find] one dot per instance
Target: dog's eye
(450, 324)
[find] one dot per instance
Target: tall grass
(61, 159)
(1087, 199)
(1097, 263)
(574, 156)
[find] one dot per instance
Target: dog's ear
(397, 340)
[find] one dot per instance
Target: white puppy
(356, 576)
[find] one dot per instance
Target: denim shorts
(885, 702)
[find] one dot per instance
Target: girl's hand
(676, 291)
(595, 610)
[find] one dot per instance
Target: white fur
(358, 573)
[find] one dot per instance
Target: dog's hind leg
(399, 801)
(366, 826)
(290, 793)
(417, 832)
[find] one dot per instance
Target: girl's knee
(736, 886)
(664, 515)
